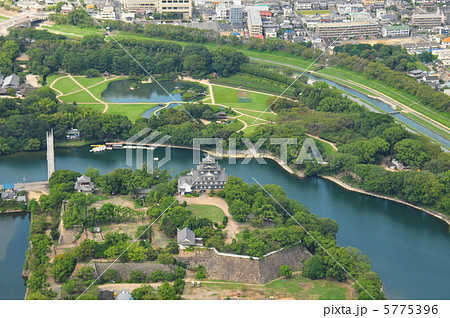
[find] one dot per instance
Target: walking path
(232, 227)
(86, 89)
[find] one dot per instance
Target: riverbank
(301, 174)
(346, 186)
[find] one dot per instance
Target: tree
(166, 259)
(136, 252)
(63, 265)
(167, 292)
(110, 275)
(239, 210)
(411, 152)
(85, 251)
(286, 271)
(196, 65)
(314, 268)
(226, 61)
(201, 272)
(137, 277)
(86, 274)
(145, 292)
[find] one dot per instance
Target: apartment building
(138, 5)
(236, 14)
(395, 31)
(254, 22)
(347, 29)
(183, 8)
(429, 20)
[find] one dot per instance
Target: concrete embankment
(438, 215)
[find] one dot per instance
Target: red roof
(266, 13)
(259, 36)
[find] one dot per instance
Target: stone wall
(124, 269)
(245, 270)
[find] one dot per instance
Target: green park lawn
(311, 12)
(296, 287)
(132, 111)
(66, 86)
(320, 289)
(86, 81)
(229, 97)
(211, 212)
(4, 18)
(251, 120)
(74, 30)
(268, 115)
(251, 82)
(96, 107)
(79, 97)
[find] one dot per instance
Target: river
(409, 249)
(386, 108)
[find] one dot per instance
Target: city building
(395, 31)
(207, 176)
(236, 14)
(137, 5)
(182, 8)
(347, 29)
(254, 22)
(428, 20)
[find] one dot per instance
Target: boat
(155, 159)
(98, 148)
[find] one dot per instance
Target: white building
(395, 31)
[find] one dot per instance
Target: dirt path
(326, 141)
(118, 288)
(232, 227)
(89, 92)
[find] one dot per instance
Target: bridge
(25, 21)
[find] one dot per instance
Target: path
(82, 88)
(232, 227)
(89, 92)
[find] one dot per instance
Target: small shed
(221, 115)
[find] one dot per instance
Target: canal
(408, 248)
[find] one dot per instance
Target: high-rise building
(236, 14)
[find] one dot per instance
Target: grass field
(296, 287)
(96, 107)
(132, 111)
(211, 212)
(229, 97)
(86, 81)
(310, 12)
(251, 82)
(99, 89)
(75, 31)
(79, 97)
(66, 86)
(267, 116)
(3, 18)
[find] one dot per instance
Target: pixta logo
(142, 141)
